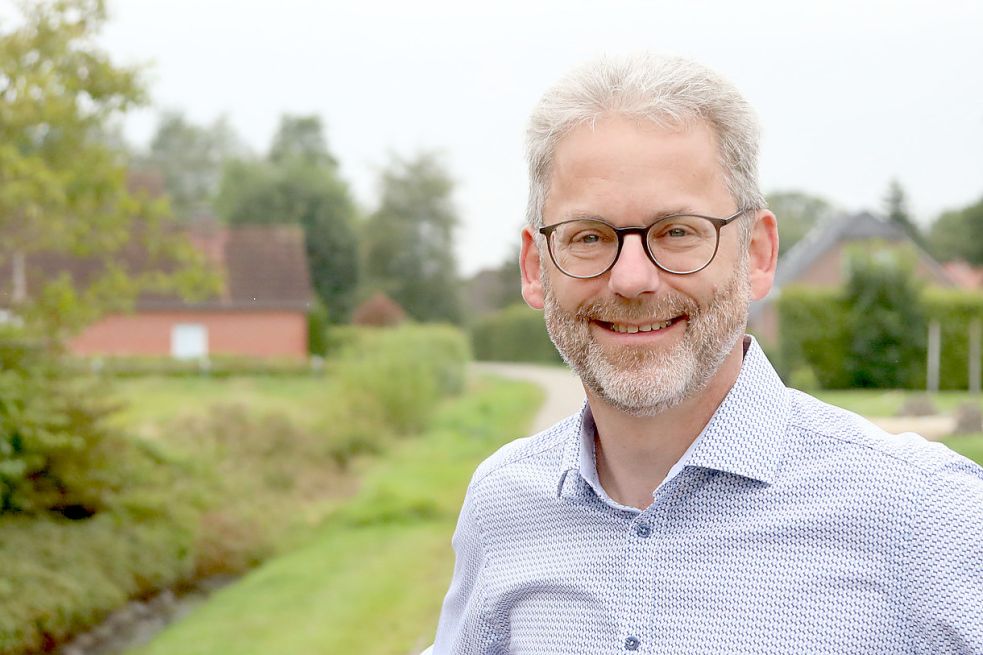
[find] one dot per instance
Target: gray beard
(641, 381)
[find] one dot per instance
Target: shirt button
(632, 643)
(643, 530)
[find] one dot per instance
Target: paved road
(564, 396)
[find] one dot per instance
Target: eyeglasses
(683, 244)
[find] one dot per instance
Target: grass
(372, 576)
(970, 445)
(880, 402)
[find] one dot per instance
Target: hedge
(513, 334)
(816, 338)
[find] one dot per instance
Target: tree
(63, 188)
(409, 240)
(301, 138)
(886, 321)
(63, 193)
(190, 159)
(797, 213)
(299, 183)
(896, 209)
(958, 234)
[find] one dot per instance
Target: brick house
(821, 259)
(261, 310)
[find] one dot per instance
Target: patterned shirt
(794, 527)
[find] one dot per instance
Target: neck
(634, 453)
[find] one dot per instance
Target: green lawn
(880, 402)
(970, 445)
(371, 577)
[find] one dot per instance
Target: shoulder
(818, 426)
(541, 453)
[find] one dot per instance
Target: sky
(850, 93)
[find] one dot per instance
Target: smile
(632, 329)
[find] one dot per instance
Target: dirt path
(564, 396)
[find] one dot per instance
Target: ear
(530, 264)
(763, 254)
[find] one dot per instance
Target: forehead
(619, 165)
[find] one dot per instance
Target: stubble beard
(642, 380)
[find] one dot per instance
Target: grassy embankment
(217, 476)
(371, 577)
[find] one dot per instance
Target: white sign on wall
(189, 341)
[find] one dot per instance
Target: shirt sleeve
(946, 563)
(462, 629)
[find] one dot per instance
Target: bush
(56, 450)
(513, 334)
(402, 372)
(818, 333)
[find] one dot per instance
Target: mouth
(635, 328)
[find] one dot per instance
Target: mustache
(614, 310)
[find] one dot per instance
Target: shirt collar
(743, 437)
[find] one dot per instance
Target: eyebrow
(654, 217)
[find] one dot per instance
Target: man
(695, 505)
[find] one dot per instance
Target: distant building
(261, 310)
(821, 259)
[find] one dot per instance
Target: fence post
(975, 327)
(934, 336)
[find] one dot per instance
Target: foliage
(886, 322)
(897, 211)
(958, 235)
(409, 240)
(353, 571)
(380, 311)
(56, 453)
(797, 213)
(299, 183)
(62, 188)
(514, 334)
(402, 373)
(817, 328)
(317, 326)
(190, 160)
(216, 488)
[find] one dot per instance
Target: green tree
(958, 234)
(299, 183)
(63, 188)
(885, 320)
(409, 240)
(190, 159)
(896, 209)
(797, 212)
(63, 193)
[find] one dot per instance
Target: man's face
(641, 339)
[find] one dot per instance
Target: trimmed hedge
(816, 341)
(513, 334)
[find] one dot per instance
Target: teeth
(632, 329)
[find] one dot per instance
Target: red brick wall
(256, 334)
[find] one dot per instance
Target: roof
(262, 266)
(826, 235)
(848, 227)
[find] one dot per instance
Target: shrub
(403, 372)
(56, 450)
(513, 334)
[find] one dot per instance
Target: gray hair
(668, 91)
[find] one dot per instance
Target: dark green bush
(513, 334)
(56, 451)
(818, 339)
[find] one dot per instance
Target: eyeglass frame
(643, 233)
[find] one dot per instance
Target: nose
(634, 273)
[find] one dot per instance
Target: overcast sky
(850, 92)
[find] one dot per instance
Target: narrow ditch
(137, 622)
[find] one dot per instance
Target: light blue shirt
(792, 527)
